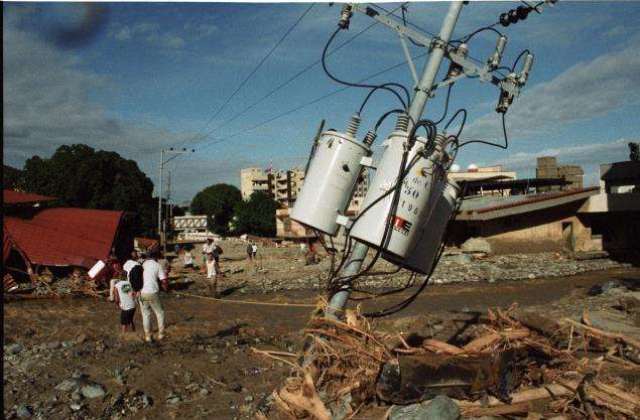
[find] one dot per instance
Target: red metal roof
(17, 197)
(65, 236)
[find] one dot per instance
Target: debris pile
(514, 364)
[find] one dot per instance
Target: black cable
(513, 67)
(372, 91)
(215, 141)
(291, 79)
(384, 117)
(351, 84)
(488, 143)
(400, 306)
(464, 120)
(468, 37)
(446, 105)
(256, 68)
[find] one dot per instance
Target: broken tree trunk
(418, 377)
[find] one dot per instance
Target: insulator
(354, 124)
(504, 19)
(526, 68)
(513, 16)
(523, 12)
(370, 138)
(345, 16)
(496, 57)
(402, 123)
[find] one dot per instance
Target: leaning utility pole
(422, 92)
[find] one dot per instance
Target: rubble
(516, 363)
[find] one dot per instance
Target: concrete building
(488, 175)
(282, 185)
(576, 219)
(547, 168)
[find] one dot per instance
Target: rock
(14, 348)
(76, 406)
(24, 411)
(53, 345)
(173, 399)
(67, 385)
(440, 408)
(92, 391)
(476, 245)
(81, 338)
(204, 391)
(460, 259)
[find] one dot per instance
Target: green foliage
(217, 202)
(82, 177)
(256, 216)
(11, 177)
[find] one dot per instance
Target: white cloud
(584, 91)
(589, 156)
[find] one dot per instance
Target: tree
(11, 177)
(217, 202)
(82, 177)
(257, 215)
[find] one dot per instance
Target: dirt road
(205, 366)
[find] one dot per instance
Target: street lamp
(175, 153)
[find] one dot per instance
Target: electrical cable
(513, 67)
(464, 120)
(290, 79)
(401, 305)
(243, 131)
(374, 90)
(255, 69)
(446, 105)
(488, 143)
(351, 84)
(468, 37)
(384, 117)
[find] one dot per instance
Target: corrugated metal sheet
(16, 197)
(65, 236)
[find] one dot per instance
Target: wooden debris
(527, 363)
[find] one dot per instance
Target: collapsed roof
(63, 236)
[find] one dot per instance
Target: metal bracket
(343, 220)
(367, 161)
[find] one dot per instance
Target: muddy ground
(205, 366)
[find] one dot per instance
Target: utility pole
(423, 90)
(176, 153)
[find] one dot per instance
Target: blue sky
(153, 74)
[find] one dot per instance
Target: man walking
(153, 274)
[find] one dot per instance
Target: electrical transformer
(417, 197)
(330, 181)
(422, 256)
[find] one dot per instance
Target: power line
(335, 92)
(253, 72)
(292, 78)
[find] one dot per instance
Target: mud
(205, 367)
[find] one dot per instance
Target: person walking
(125, 299)
(254, 250)
(153, 274)
(250, 251)
(207, 249)
(187, 258)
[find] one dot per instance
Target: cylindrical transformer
(414, 202)
(330, 181)
(423, 254)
